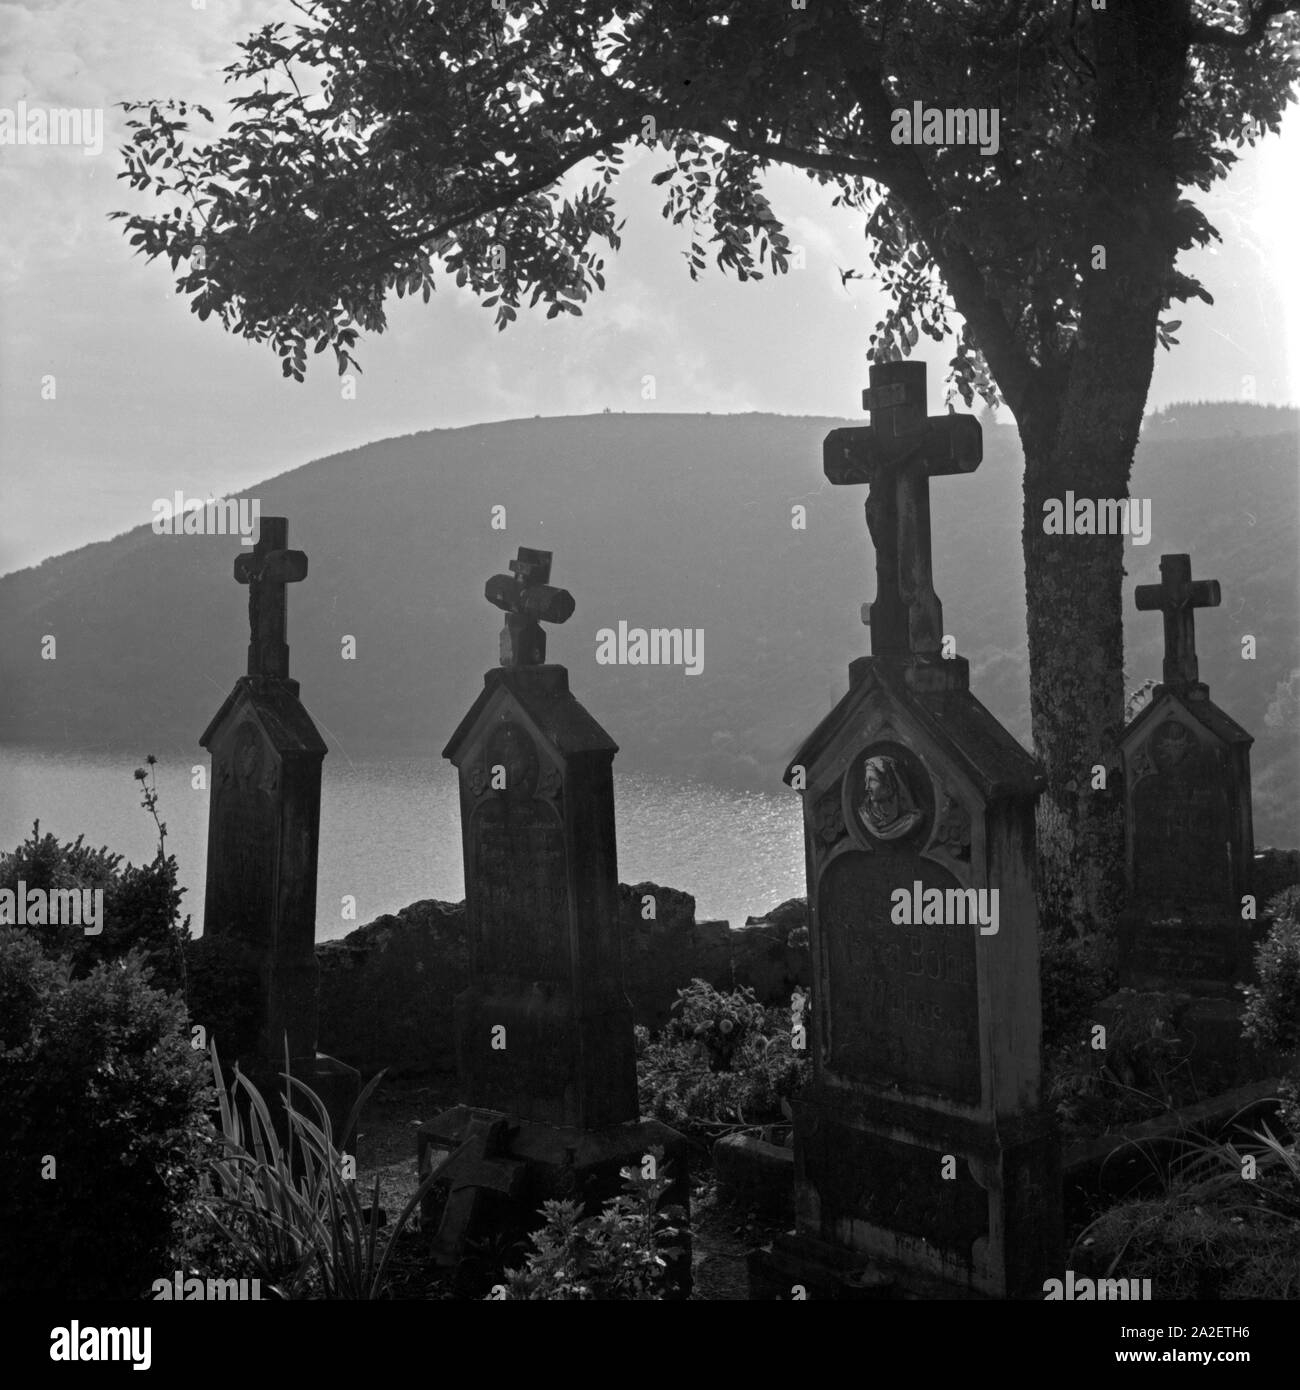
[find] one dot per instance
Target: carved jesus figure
(887, 809)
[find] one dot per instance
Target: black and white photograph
(650, 652)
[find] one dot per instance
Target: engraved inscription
(242, 837)
(518, 880)
(903, 999)
(1182, 823)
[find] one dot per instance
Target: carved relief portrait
(887, 793)
(1170, 744)
(510, 747)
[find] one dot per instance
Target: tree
(384, 134)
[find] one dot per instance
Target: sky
(147, 401)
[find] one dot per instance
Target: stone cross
(528, 601)
(478, 1166)
(898, 454)
(267, 571)
(1177, 596)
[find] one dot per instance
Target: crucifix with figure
(1178, 596)
(528, 600)
(267, 571)
(898, 454)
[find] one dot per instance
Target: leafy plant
(106, 1124)
(1272, 1013)
(1227, 1225)
(696, 1078)
(622, 1253)
(285, 1205)
(141, 904)
(723, 1023)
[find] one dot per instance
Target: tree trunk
(1073, 585)
(1079, 426)
(1081, 440)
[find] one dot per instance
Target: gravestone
(924, 1160)
(545, 1045)
(1185, 767)
(263, 833)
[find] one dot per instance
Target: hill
(659, 521)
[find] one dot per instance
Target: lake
(390, 831)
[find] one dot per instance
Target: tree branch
(497, 199)
(787, 154)
(901, 171)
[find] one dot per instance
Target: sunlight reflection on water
(390, 831)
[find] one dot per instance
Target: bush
(1272, 1013)
(1142, 1072)
(141, 905)
(108, 1126)
(695, 1078)
(722, 1023)
(621, 1254)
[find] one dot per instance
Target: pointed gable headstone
(922, 1152)
(1187, 801)
(545, 1041)
(263, 833)
(546, 1031)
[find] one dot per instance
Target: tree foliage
(379, 143)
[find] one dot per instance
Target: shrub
(1142, 1071)
(681, 1076)
(722, 1023)
(100, 1082)
(621, 1254)
(141, 905)
(1272, 1013)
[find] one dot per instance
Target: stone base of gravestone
(563, 1162)
(878, 1218)
(754, 1173)
(1197, 951)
